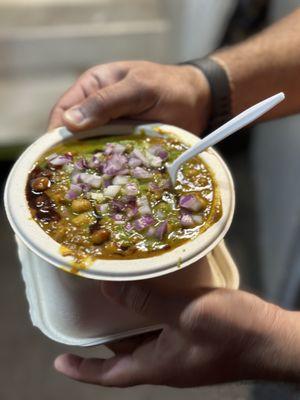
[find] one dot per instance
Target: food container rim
(43, 245)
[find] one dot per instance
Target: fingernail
(113, 290)
(75, 116)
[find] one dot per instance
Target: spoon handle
(236, 123)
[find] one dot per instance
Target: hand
(212, 336)
(177, 95)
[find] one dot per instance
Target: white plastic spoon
(236, 123)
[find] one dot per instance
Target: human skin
(212, 336)
(209, 336)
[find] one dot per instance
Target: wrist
(202, 105)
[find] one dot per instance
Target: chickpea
(81, 205)
(40, 184)
(100, 236)
(83, 219)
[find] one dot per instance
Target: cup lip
(44, 246)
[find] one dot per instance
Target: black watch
(220, 90)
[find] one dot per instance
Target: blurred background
(44, 46)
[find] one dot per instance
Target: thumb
(140, 298)
(121, 99)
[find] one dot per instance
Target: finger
(92, 80)
(74, 95)
(143, 300)
(111, 102)
(119, 371)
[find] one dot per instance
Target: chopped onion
(99, 197)
(161, 230)
(81, 164)
(128, 226)
(143, 222)
(95, 162)
(71, 195)
(197, 219)
(154, 161)
(118, 205)
(106, 182)
(93, 180)
(154, 187)
(144, 207)
(118, 217)
(151, 231)
(141, 173)
(159, 151)
(137, 153)
(114, 164)
(60, 160)
(131, 211)
(111, 148)
(186, 220)
(190, 202)
(134, 162)
(111, 191)
(131, 189)
(120, 180)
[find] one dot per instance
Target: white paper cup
(70, 309)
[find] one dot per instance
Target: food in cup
(111, 197)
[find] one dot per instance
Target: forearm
(264, 65)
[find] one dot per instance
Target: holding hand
(212, 336)
(177, 95)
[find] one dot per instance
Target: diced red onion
(131, 211)
(134, 162)
(111, 191)
(186, 221)
(106, 182)
(76, 188)
(143, 222)
(111, 148)
(95, 162)
(60, 160)
(197, 219)
(128, 226)
(161, 230)
(141, 173)
(154, 161)
(85, 187)
(137, 153)
(81, 164)
(120, 180)
(93, 180)
(115, 164)
(75, 177)
(144, 208)
(74, 192)
(71, 195)
(190, 202)
(159, 151)
(117, 205)
(118, 217)
(154, 187)
(151, 231)
(131, 189)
